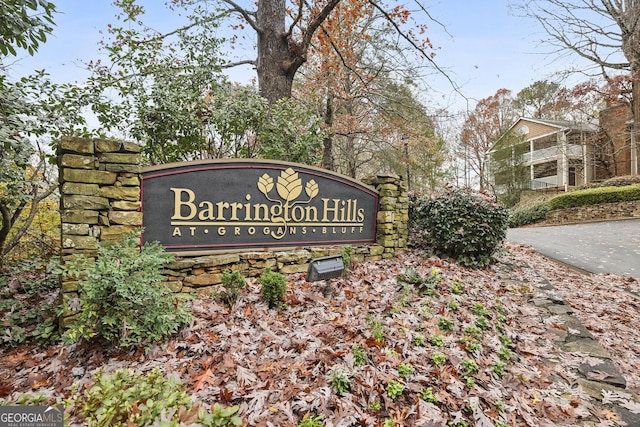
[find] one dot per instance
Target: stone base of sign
(100, 202)
(203, 275)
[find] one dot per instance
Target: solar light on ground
(325, 268)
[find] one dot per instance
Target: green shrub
(29, 302)
(438, 358)
(274, 287)
(405, 370)
(595, 196)
(220, 416)
(470, 367)
(528, 215)
(121, 297)
(359, 355)
(427, 395)
(463, 224)
(232, 283)
(111, 399)
(423, 285)
(126, 397)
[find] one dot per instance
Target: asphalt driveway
(596, 247)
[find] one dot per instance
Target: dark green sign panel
(234, 204)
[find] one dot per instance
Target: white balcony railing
(546, 154)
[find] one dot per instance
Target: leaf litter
(279, 364)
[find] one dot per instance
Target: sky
(480, 45)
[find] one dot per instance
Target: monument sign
(237, 204)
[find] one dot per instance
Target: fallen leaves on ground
(481, 352)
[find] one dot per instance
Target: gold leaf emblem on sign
(265, 184)
(311, 189)
(289, 185)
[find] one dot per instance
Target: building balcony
(546, 154)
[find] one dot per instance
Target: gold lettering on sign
(179, 203)
(287, 211)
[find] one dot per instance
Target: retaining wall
(600, 212)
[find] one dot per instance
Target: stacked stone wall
(393, 213)
(99, 198)
(100, 202)
(605, 211)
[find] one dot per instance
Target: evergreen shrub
(528, 214)
(274, 287)
(462, 223)
(122, 298)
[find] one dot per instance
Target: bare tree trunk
(351, 157)
(327, 153)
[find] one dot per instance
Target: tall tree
(540, 100)
(481, 129)
(33, 112)
(415, 150)
(355, 63)
(171, 96)
(285, 31)
(606, 33)
(509, 168)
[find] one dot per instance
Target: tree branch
(237, 63)
(415, 46)
(235, 7)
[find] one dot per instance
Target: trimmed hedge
(595, 196)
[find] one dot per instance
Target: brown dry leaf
(206, 378)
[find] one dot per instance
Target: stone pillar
(393, 213)
(99, 199)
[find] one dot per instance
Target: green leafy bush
(121, 297)
(274, 287)
(220, 416)
(111, 400)
(29, 307)
(232, 283)
(427, 395)
(463, 224)
(528, 214)
(347, 257)
(594, 196)
(126, 397)
(424, 285)
(340, 381)
(405, 370)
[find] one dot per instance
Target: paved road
(597, 247)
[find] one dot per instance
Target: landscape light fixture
(325, 268)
